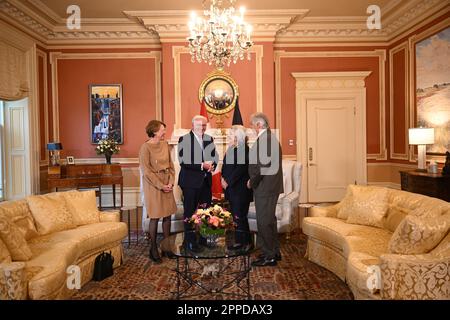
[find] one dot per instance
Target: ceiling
(115, 8)
(158, 21)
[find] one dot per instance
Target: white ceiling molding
(320, 29)
(171, 25)
(159, 26)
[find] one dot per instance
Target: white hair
(239, 133)
(198, 117)
(260, 118)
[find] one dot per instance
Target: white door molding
(331, 85)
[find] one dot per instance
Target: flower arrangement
(108, 147)
(212, 221)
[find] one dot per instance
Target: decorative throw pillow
(368, 206)
(344, 207)
(83, 207)
(50, 213)
(417, 235)
(14, 239)
(20, 215)
(5, 256)
(394, 217)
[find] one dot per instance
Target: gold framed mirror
(220, 92)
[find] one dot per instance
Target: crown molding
(332, 29)
(172, 24)
(160, 26)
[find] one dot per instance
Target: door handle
(312, 164)
(310, 153)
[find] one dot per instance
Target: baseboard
(386, 185)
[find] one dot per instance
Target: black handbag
(103, 267)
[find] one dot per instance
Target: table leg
(114, 195)
(121, 195)
(129, 228)
(137, 226)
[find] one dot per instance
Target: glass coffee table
(201, 268)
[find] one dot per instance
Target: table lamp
(421, 137)
(54, 148)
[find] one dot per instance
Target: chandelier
(221, 37)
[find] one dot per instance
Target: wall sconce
(421, 137)
(54, 148)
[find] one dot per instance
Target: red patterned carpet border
(294, 278)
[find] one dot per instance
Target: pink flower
(214, 221)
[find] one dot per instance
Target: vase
(211, 235)
(108, 158)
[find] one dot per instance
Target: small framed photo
(70, 160)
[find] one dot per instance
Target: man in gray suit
(266, 180)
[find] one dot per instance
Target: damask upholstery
(362, 255)
(44, 275)
(285, 211)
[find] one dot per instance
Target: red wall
(137, 77)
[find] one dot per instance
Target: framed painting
(106, 120)
(219, 91)
(432, 90)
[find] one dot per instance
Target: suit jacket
(235, 173)
(265, 168)
(191, 156)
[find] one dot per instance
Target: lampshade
(52, 146)
(421, 136)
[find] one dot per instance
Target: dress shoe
(235, 246)
(264, 262)
(277, 256)
(168, 254)
(154, 257)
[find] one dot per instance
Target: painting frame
(106, 112)
(424, 89)
(219, 91)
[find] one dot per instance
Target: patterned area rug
(294, 278)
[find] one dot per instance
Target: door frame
(331, 85)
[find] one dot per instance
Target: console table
(78, 176)
(430, 184)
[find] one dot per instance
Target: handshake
(208, 166)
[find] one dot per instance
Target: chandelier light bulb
(219, 37)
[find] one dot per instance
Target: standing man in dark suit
(266, 180)
(198, 159)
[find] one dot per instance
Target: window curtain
(13, 75)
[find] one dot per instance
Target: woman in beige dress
(158, 176)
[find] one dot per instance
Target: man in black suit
(266, 180)
(198, 159)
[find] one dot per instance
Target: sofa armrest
(13, 284)
(110, 216)
(415, 277)
(288, 205)
(329, 211)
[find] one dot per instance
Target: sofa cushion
(5, 256)
(20, 215)
(50, 213)
(83, 207)
(393, 218)
(368, 206)
(416, 234)
(14, 239)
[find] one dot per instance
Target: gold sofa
(384, 243)
(44, 239)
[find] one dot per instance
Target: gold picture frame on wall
(219, 91)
